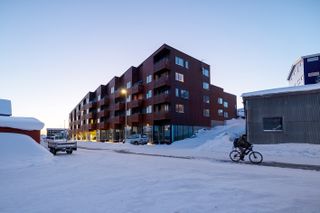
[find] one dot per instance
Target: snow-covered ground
(102, 180)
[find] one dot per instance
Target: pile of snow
(21, 150)
(24, 123)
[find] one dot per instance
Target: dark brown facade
(167, 97)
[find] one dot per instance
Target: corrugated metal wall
(300, 113)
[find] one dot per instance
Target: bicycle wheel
(255, 157)
(235, 155)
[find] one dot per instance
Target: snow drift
(22, 150)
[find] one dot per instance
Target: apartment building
(306, 70)
(167, 97)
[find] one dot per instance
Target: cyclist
(242, 144)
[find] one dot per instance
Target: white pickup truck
(55, 145)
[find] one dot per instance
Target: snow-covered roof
(24, 123)
(309, 87)
(5, 107)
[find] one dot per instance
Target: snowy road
(270, 164)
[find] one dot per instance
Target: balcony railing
(162, 81)
(137, 89)
(104, 113)
(135, 118)
(135, 103)
(161, 65)
(161, 115)
(162, 98)
(119, 106)
(118, 119)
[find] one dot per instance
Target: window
(220, 112)
(128, 112)
(149, 79)
(99, 97)
(187, 64)
(205, 85)
(206, 99)
(129, 85)
(179, 108)
(149, 94)
(184, 94)
(272, 124)
(220, 101)
(149, 109)
(206, 112)
(205, 71)
(128, 98)
(225, 104)
(179, 61)
(112, 90)
(312, 59)
(166, 107)
(179, 77)
(225, 114)
(177, 92)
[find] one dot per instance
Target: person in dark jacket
(243, 145)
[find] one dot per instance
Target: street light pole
(125, 92)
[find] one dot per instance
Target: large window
(220, 101)
(179, 77)
(225, 104)
(220, 112)
(149, 79)
(205, 71)
(179, 108)
(272, 124)
(205, 85)
(112, 90)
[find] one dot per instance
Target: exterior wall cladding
(169, 96)
(295, 115)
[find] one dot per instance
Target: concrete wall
(300, 114)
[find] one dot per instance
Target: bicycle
(254, 156)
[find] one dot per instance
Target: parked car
(137, 139)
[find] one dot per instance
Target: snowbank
(24, 123)
(21, 150)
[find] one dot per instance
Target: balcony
(162, 98)
(118, 119)
(92, 115)
(137, 89)
(103, 126)
(104, 113)
(135, 103)
(161, 115)
(162, 81)
(92, 127)
(104, 102)
(119, 106)
(135, 118)
(161, 65)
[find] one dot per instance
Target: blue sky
(53, 52)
